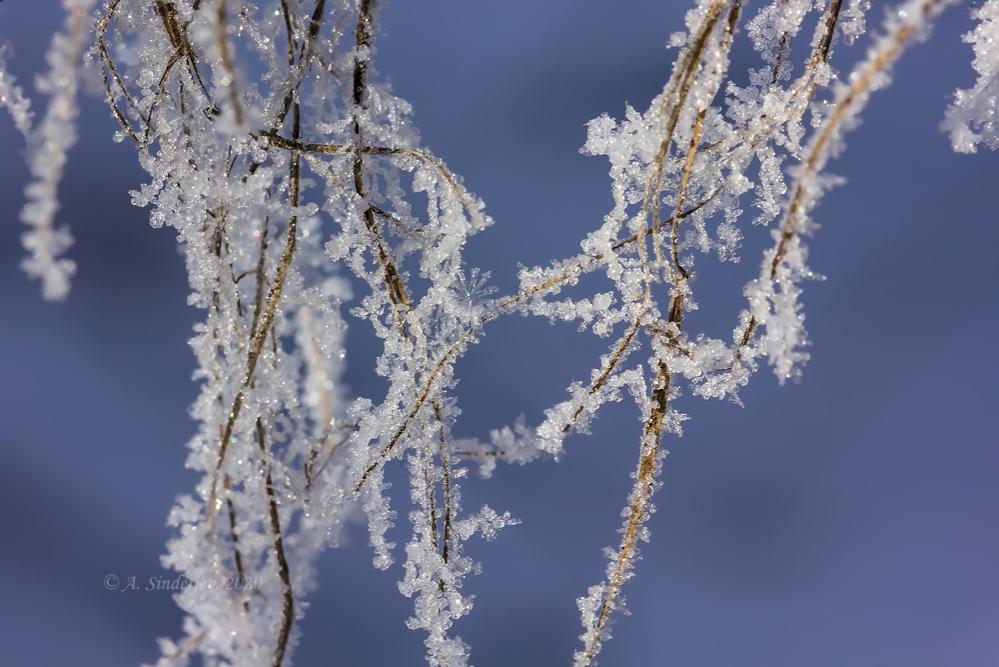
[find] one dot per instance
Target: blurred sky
(850, 519)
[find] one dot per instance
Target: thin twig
(225, 55)
(638, 510)
(645, 475)
(261, 331)
(790, 227)
(277, 543)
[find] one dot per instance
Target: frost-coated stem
(639, 501)
(281, 559)
(908, 20)
(398, 295)
(48, 146)
(263, 326)
(645, 477)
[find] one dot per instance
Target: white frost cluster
(48, 145)
(277, 184)
(12, 97)
(973, 117)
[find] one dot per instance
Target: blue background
(850, 519)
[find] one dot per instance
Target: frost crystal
(971, 118)
(12, 97)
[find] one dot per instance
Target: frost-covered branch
(48, 145)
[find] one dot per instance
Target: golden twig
(645, 475)
(638, 511)
(790, 226)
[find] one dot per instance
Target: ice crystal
(972, 118)
(12, 97)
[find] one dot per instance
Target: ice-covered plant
(293, 177)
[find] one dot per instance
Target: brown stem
(829, 21)
(284, 573)
(802, 90)
(421, 400)
(286, 12)
(267, 316)
(638, 512)
(192, 643)
(225, 55)
(445, 486)
(177, 34)
(395, 287)
(237, 554)
(398, 296)
(695, 138)
(218, 243)
(645, 475)
(620, 350)
(790, 226)
(688, 67)
(592, 261)
(102, 49)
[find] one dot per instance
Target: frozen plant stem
(649, 460)
(48, 146)
(274, 522)
(263, 324)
